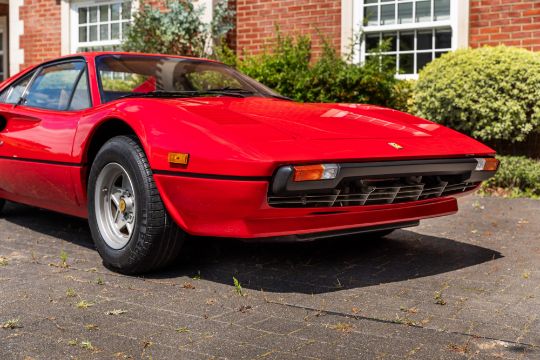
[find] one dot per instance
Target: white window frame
(353, 12)
(73, 15)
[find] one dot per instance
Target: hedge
(517, 176)
(491, 93)
(290, 68)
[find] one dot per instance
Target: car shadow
(313, 267)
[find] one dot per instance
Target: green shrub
(290, 69)
(491, 93)
(517, 174)
(179, 30)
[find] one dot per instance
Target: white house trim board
(347, 26)
(16, 29)
(65, 19)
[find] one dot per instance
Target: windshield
(141, 75)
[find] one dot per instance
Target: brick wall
(505, 22)
(257, 19)
(41, 39)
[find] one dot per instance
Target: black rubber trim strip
(283, 184)
(334, 233)
(212, 176)
(62, 163)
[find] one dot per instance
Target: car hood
(267, 132)
(292, 120)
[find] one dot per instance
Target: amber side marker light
(178, 158)
(487, 164)
(315, 172)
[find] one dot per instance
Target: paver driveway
(466, 286)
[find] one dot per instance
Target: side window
(81, 95)
(13, 94)
(53, 86)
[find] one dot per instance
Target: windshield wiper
(182, 94)
(229, 89)
(281, 97)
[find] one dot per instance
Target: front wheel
(2, 203)
(130, 226)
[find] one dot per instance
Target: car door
(39, 118)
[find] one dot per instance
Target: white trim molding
(16, 29)
(65, 48)
(460, 23)
(347, 26)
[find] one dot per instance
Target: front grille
(376, 192)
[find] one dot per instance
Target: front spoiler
(239, 209)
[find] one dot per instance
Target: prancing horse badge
(395, 145)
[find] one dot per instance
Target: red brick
(509, 22)
(293, 17)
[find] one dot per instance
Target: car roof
(94, 54)
(91, 56)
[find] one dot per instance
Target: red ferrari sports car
(151, 148)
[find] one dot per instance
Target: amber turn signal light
(487, 164)
(315, 172)
(178, 158)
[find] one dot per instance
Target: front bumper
(239, 208)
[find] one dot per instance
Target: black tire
(155, 240)
(2, 203)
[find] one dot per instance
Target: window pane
(13, 94)
(422, 59)
(83, 34)
(423, 11)
(104, 13)
(425, 40)
(83, 13)
(406, 41)
(115, 12)
(406, 64)
(439, 54)
(388, 14)
(93, 14)
(372, 42)
(443, 39)
(125, 26)
(390, 60)
(115, 31)
(370, 1)
(93, 33)
(81, 96)
(126, 10)
(104, 32)
(405, 13)
(371, 15)
(441, 10)
(390, 39)
(53, 86)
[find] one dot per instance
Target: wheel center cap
(122, 206)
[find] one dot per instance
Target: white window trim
(351, 24)
(74, 23)
(69, 20)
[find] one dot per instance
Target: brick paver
(465, 286)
